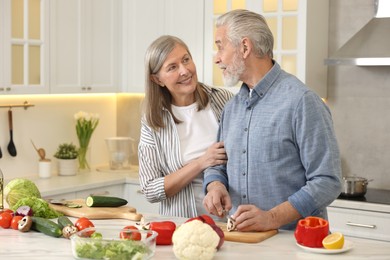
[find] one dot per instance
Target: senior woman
(178, 129)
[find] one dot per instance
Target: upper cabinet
(144, 21)
(85, 46)
(24, 48)
(300, 29)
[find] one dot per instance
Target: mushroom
(68, 231)
(25, 223)
(231, 224)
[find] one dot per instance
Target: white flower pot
(67, 167)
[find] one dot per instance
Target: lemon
(333, 241)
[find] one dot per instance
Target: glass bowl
(113, 243)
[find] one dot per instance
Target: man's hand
(251, 218)
(217, 200)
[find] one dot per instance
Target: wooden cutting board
(246, 237)
(124, 212)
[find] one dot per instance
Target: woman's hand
(214, 155)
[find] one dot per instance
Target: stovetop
(377, 196)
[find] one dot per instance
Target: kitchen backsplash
(359, 98)
(49, 123)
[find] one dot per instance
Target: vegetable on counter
(98, 249)
(25, 224)
(165, 231)
(20, 188)
(39, 207)
(310, 231)
(104, 201)
(68, 229)
(15, 222)
(46, 226)
(129, 235)
(209, 220)
(5, 219)
(195, 240)
(83, 223)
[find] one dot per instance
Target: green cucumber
(46, 226)
(104, 201)
(64, 221)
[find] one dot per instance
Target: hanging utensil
(11, 146)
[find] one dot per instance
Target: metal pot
(354, 186)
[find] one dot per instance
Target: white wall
(49, 123)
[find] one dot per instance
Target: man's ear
(246, 47)
(156, 80)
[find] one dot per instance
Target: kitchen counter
(33, 245)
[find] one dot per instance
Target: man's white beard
(232, 77)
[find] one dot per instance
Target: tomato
(5, 219)
(83, 223)
(7, 210)
(15, 222)
(130, 235)
(310, 231)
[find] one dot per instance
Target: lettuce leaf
(39, 207)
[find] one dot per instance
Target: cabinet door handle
(360, 225)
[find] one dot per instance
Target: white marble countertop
(33, 245)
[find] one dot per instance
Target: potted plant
(66, 155)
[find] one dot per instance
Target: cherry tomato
(5, 219)
(130, 235)
(15, 222)
(83, 223)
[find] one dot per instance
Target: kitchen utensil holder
(25, 105)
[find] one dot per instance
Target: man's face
(228, 58)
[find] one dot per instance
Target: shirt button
(244, 196)
(243, 173)
(246, 129)
(244, 151)
(261, 94)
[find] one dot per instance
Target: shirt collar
(264, 84)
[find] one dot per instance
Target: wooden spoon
(41, 152)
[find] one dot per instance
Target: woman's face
(178, 74)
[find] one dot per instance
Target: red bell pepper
(165, 231)
(311, 231)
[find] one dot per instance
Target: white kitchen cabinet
(84, 46)
(137, 200)
(300, 29)
(360, 223)
(181, 18)
(24, 47)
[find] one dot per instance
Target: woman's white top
(197, 132)
(159, 154)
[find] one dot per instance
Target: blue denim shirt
(281, 146)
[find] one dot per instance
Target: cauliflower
(195, 240)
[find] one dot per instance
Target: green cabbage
(20, 188)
